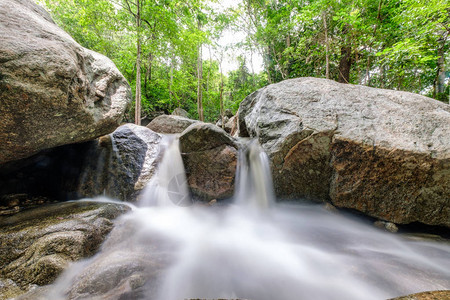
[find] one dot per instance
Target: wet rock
(210, 159)
(180, 112)
(389, 226)
(120, 164)
(112, 276)
(9, 289)
(330, 207)
(384, 153)
(48, 82)
(38, 244)
(129, 266)
(170, 124)
(12, 204)
(434, 295)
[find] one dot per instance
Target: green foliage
(242, 83)
(389, 44)
(169, 40)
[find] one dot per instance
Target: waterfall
(254, 183)
(169, 185)
(94, 178)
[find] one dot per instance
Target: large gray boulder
(384, 153)
(170, 124)
(53, 91)
(38, 244)
(210, 159)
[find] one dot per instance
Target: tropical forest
(224, 149)
(178, 50)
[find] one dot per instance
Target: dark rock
(118, 165)
(384, 153)
(121, 164)
(38, 244)
(50, 175)
(210, 173)
(13, 203)
(53, 91)
(210, 159)
(170, 124)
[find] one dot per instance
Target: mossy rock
(38, 244)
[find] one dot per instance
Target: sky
(229, 38)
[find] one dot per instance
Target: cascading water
(169, 186)
(171, 252)
(254, 182)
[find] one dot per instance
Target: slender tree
(327, 51)
(199, 76)
(137, 115)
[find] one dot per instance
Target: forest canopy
(170, 53)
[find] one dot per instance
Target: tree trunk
(148, 73)
(251, 65)
(199, 80)
(266, 57)
(368, 71)
(137, 115)
(209, 72)
(382, 79)
(221, 97)
(441, 71)
(171, 78)
(345, 64)
(327, 52)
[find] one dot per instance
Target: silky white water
(169, 187)
(253, 249)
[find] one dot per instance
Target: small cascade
(169, 185)
(113, 165)
(254, 181)
(93, 179)
(101, 168)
